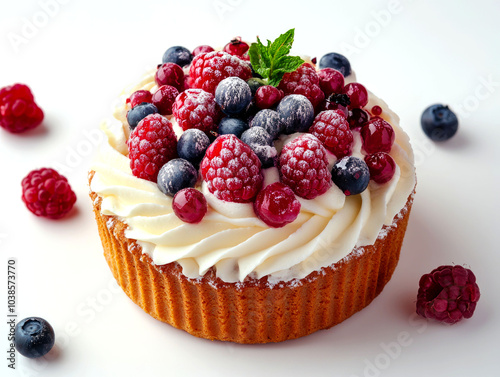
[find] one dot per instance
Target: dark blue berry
(233, 126)
(176, 175)
(233, 95)
(296, 113)
(439, 122)
(178, 55)
(139, 112)
(254, 84)
(351, 175)
(269, 120)
(192, 145)
(336, 61)
(34, 337)
(261, 143)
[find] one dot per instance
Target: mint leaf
(282, 45)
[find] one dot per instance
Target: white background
(77, 58)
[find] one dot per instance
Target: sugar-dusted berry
(304, 81)
(332, 129)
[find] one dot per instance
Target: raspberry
(164, 99)
(208, 70)
(231, 170)
(304, 167)
(151, 145)
(303, 81)
(276, 205)
(195, 108)
(47, 193)
(18, 110)
(448, 294)
(170, 74)
(332, 129)
(139, 97)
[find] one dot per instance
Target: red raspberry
(304, 167)
(150, 146)
(303, 81)
(47, 193)
(139, 97)
(332, 129)
(195, 108)
(164, 99)
(170, 74)
(231, 170)
(208, 70)
(276, 205)
(18, 110)
(448, 294)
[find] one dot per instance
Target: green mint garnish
(272, 61)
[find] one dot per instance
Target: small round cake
(252, 210)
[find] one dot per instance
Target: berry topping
(268, 120)
(333, 131)
(236, 47)
(178, 55)
(304, 167)
(336, 61)
(195, 108)
(377, 136)
(190, 205)
(331, 81)
(296, 113)
(381, 166)
(233, 126)
(34, 337)
(303, 81)
(151, 145)
(233, 95)
(47, 193)
(448, 294)
(18, 110)
(208, 70)
(202, 49)
(276, 205)
(268, 96)
(170, 74)
(255, 83)
(339, 103)
(139, 112)
(192, 145)
(376, 110)
(164, 98)
(357, 94)
(261, 143)
(176, 175)
(139, 97)
(439, 122)
(231, 170)
(357, 118)
(351, 175)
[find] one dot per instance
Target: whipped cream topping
(230, 237)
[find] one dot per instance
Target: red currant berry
(276, 205)
(381, 166)
(267, 96)
(357, 118)
(139, 97)
(202, 49)
(164, 98)
(376, 110)
(236, 47)
(170, 74)
(190, 205)
(378, 136)
(330, 81)
(357, 93)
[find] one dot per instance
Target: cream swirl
(230, 237)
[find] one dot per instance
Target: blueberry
(176, 175)
(439, 122)
(139, 112)
(351, 175)
(269, 120)
(34, 337)
(233, 95)
(336, 61)
(192, 145)
(178, 55)
(261, 143)
(255, 83)
(233, 126)
(296, 113)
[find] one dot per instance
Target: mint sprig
(272, 61)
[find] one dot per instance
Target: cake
(232, 276)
